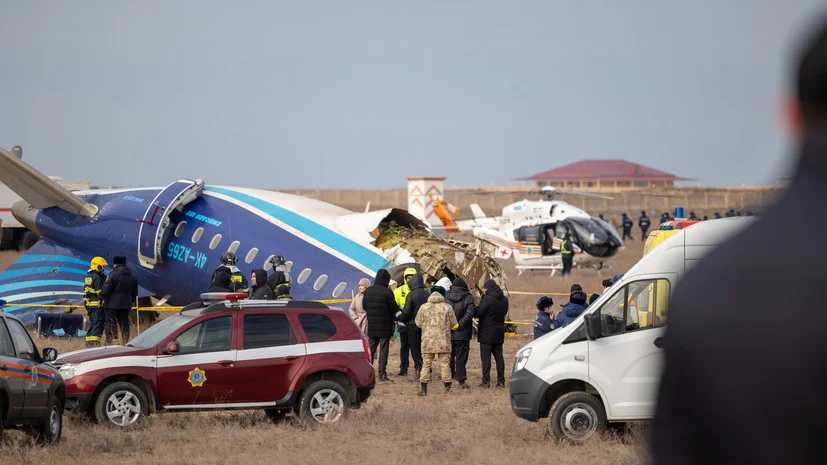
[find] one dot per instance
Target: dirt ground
(474, 426)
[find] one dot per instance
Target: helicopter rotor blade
(646, 194)
(485, 192)
(585, 194)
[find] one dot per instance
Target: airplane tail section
(477, 211)
(47, 274)
(38, 189)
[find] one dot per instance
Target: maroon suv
(280, 356)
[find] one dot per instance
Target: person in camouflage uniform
(436, 319)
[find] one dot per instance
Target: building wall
(700, 200)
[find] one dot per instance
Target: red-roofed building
(606, 175)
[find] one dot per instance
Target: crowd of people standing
(435, 324)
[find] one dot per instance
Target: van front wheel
(577, 416)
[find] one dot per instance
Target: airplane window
(196, 236)
(289, 265)
(233, 247)
(267, 264)
(320, 282)
(304, 275)
(215, 241)
(180, 228)
(251, 255)
(339, 289)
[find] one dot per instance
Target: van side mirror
(49, 354)
(592, 321)
(171, 348)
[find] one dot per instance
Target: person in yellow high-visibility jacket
(92, 285)
(401, 295)
(567, 252)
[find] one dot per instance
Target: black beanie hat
(119, 260)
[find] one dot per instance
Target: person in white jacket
(357, 311)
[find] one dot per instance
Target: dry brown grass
(394, 427)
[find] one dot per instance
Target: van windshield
(158, 332)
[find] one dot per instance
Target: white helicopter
(531, 231)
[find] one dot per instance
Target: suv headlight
(68, 371)
(522, 359)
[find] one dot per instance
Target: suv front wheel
(323, 402)
(120, 404)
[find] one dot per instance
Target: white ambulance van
(605, 366)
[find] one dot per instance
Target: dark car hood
(97, 353)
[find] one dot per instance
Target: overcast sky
(362, 94)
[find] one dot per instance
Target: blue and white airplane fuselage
(328, 247)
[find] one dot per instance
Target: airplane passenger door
(155, 222)
(627, 359)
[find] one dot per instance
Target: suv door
(202, 373)
(626, 360)
(12, 378)
(36, 394)
(269, 359)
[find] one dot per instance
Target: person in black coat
(464, 308)
(417, 296)
(491, 331)
(381, 309)
(644, 222)
(119, 293)
(747, 389)
(259, 289)
(221, 281)
(627, 224)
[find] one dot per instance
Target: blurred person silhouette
(644, 222)
(751, 391)
(627, 226)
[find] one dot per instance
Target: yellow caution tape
(334, 301)
(143, 309)
(539, 293)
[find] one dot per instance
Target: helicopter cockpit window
(586, 229)
(529, 234)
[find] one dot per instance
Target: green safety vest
(563, 249)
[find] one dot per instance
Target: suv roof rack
(250, 304)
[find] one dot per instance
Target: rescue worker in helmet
(92, 285)
(280, 277)
(238, 282)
